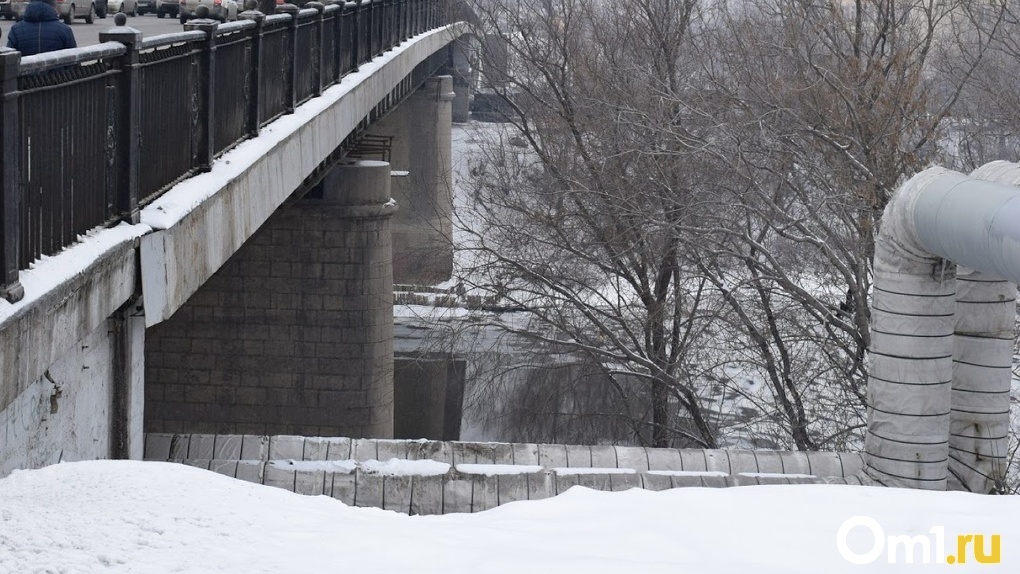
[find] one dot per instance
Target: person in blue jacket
(40, 30)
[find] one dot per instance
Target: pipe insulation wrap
(910, 369)
(982, 374)
(939, 365)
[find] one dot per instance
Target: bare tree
(580, 227)
(985, 122)
(688, 193)
(824, 107)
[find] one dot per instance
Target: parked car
(129, 7)
(7, 9)
(222, 10)
(146, 7)
(164, 7)
(68, 10)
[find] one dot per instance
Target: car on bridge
(68, 10)
(222, 10)
(129, 7)
(164, 7)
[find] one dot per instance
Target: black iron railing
(90, 135)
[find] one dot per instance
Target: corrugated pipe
(936, 389)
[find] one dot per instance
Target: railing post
(388, 24)
(354, 42)
(408, 17)
(206, 148)
(394, 22)
(254, 116)
(292, 73)
(10, 181)
(380, 27)
(368, 27)
(126, 148)
(401, 30)
(338, 42)
(318, 60)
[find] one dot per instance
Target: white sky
(130, 516)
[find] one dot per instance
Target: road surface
(86, 34)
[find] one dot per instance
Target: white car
(129, 7)
(68, 10)
(222, 10)
(164, 7)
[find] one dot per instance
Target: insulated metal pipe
(982, 373)
(937, 219)
(910, 362)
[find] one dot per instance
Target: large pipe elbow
(924, 399)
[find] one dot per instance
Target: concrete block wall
(472, 477)
(293, 335)
(66, 413)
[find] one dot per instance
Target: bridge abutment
(294, 334)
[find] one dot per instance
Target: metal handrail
(123, 79)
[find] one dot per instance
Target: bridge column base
(294, 334)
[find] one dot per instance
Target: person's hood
(39, 12)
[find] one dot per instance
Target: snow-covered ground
(127, 516)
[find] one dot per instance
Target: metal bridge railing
(90, 135)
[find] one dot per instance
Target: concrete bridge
(250, 292)
(202, 231)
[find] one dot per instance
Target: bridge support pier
(463, 78)
(422, 229)
(461, 101)
(294, 334)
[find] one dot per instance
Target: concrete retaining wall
(67, 413)
(496, 473)
(56, 357)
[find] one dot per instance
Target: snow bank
(127, 516)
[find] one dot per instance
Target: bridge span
(198, 228)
